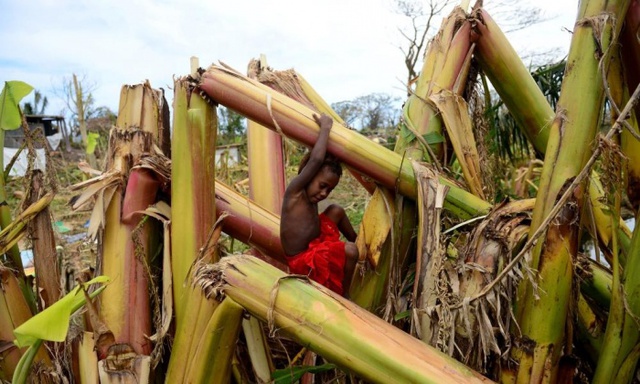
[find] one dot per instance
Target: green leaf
(92, 141)
(53, 323)
(293, 374)
(433, 138)
(12, 93)
(406, 134)
(402, 315)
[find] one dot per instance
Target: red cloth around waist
(324, 260)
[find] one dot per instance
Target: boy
(311, 241)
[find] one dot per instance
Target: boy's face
(322, 184)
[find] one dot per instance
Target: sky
(344, 48)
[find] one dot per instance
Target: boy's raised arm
(316, 158)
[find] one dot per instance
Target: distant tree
(511, 15)
(348, 110)
(231, 126)
(415, 35)
(376, 113)
(101, 119)
(379, 112)
(78, 97)
(38, 106)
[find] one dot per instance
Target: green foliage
(505, 137)
(21, 374)
(92, 142)
(231, 127)
(292, 374)
(549, 80)
(12, 93)
(53, 323)
(431, 138)
(102, 112)
(38, 106)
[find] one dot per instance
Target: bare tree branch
(510, 14)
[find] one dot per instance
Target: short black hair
(330, 162)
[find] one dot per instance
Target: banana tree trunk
(330, 325)
(267, 181)
(128, 241)
(44, 248)
(572, 134)
(630, 50)
(193, 219)
(528, 106)
(249, 222)
(280, 113)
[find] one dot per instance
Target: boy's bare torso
(299, 223)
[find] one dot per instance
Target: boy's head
(325, 180)
(331, 162)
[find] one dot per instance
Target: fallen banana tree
(280, 113)
(332, 326)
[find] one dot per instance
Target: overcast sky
(344, 48)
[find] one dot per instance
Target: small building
(50, 125)
(228, 154)
(54, 129)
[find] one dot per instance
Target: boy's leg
(337, 214)
(351, 254)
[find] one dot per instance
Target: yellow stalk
(266, 171)
(128, 242)
(265, 157)
(217, 347)
(128, 187)
(571, 136)
(87, 359)
(454, 112)
(374, 244)
(267, 180)
(193, 213)
(278, 112)
(150, 116)
(444, 65)
(375, 226)
(445, 68)
(257, 348)
(330, 325)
